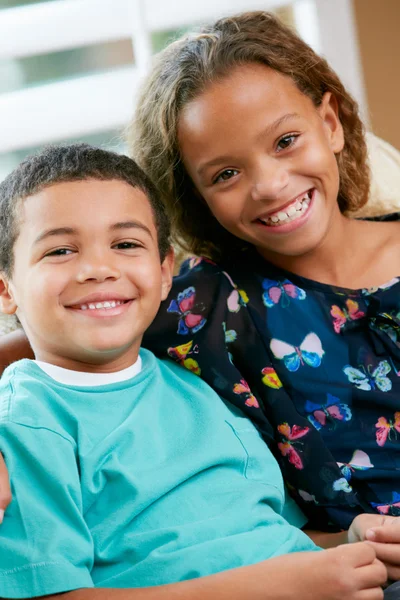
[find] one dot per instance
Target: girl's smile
(263, 158)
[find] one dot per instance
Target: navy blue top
(316, 367)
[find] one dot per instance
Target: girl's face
(263, 158)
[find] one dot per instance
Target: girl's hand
(5, 491)
(383, 533)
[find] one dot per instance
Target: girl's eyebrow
(71, 231)
(269, 129)
(272, 126)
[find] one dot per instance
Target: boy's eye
(225, 175)
(59, 252)
(126, 245)
(286, 141)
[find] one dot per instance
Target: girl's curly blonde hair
(185, 69)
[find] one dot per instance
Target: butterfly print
(292, 435)
(189, 318)
(229, 334)
(270, 378)
(243, 388)
(237, 298)
(181, 355)
(392, 509)
(310, 352)
(280, 291)
(359, 462)
(328, 413)
(366, 380)
(387, 429)
(350, 313)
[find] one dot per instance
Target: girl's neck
(333, 261)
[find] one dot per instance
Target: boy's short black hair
(72, 162)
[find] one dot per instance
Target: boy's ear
(7, 302)
(329, 112)
(167, 270)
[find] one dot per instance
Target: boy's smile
(87, 279)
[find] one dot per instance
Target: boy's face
(87, 278)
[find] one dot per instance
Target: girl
(260, 154)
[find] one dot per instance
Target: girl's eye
(225, 175)
(126, 245)
(286, 141)
(59, 252)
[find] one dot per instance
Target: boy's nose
(269, 181)
(97, 270)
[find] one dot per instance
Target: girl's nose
(270, 180)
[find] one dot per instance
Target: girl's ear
(7, 301)
(329, 113)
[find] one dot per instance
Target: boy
(128, 471)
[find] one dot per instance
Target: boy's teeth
(107, 304)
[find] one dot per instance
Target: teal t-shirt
(143, 482)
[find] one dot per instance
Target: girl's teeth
(293, 212)
(282, 216)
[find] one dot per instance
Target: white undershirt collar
(79, 378)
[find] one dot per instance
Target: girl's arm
(13, 347)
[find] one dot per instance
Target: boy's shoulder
(28, 398)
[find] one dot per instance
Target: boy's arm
(13, 347)
(45, 544)
(335, 574)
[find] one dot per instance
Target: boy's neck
(93, 364)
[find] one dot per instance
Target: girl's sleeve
(45, 545)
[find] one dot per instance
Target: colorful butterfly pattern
(321, 362)
(280, 291)
(392, 509)
(243, 388)
(310, 352)
(327, 414)
(387, 430)
(270, 378)
(341, 315)
(181, 355)
(359, 462)
(367, 378)
(190, 319)
(288, 448)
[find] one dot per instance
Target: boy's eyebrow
(268, 130)
(71, 231)
(57, 231)
(131, 225)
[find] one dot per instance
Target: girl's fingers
(5, 492)
(387, 533)
(387, 553)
